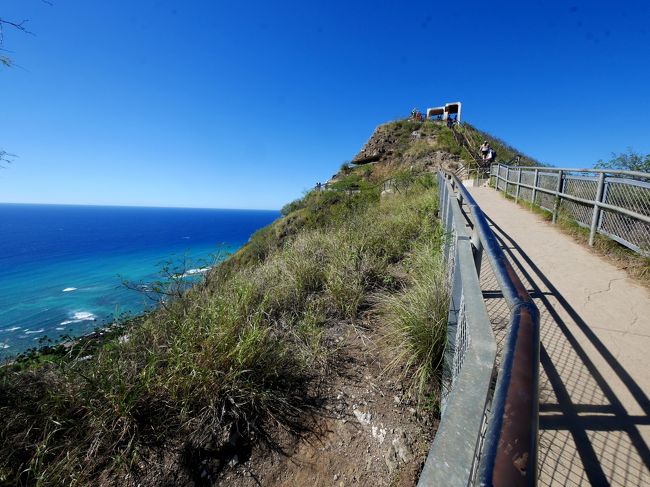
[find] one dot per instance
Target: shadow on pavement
(586, 434)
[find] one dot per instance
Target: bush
(415, 319)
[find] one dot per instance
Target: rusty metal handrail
(488, 432)
(470, 356)
(509, 456)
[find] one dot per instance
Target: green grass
(505, 152)
(239, 356)
(415, 320)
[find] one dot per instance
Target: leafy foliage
(626, 161)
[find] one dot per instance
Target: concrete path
(595, 351)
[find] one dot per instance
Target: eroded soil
(367, 433)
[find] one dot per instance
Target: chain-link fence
(612, 203)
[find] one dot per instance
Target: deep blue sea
(62, 267)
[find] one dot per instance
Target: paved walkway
(595, 351)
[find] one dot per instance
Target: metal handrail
(510, 450)
(638, 241)
(635, 174)
(487, 436)
(454, 454)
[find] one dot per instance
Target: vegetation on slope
(239, 357)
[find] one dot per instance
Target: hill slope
(309, 357)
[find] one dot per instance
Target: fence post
(505, 190)
(535, 180)
(596, 214)
(518, 183)
(558, 190)
(505, 180)
(498, 175)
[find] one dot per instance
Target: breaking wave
(78, 317)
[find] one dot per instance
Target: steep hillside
(310, 357)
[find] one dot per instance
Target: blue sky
(246, 104)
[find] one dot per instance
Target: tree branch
(5, 158)
(21, 26)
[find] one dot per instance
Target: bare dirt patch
(368, 431)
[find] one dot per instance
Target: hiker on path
(414, 113)
(485, 148)
(450, 122)
(491, 155)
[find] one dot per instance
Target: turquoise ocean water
(62, 267)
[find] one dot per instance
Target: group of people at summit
(417, 116)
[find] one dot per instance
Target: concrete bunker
(445, 112)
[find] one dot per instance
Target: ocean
(63, 268)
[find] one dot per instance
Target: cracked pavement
(595, 350)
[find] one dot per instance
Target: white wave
(69, 289)
(78, 317)
(3, 346)
(31, 332)
(13, 328)
(192, 272)
(60, 328)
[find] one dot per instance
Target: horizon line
(138, 206)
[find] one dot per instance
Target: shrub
(415, 319)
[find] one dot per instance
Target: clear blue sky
(208, 103)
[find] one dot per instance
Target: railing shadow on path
(587, 437)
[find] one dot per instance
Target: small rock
(363, 418)
(336, 477)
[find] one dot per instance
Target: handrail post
(518, 186)
(505, 190)
(477, 250)
(596, 213)
(535, 182)
(558, 190)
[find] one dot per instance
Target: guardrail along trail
(594, 409)
(488, 429)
